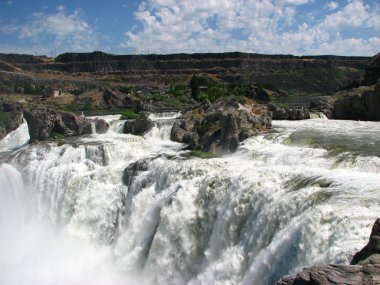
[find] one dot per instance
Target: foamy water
(305, 193)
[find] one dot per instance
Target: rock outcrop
(359, 103)
(364, 268)
(323, 104)
(139, 126)
(288, 114)
(44, 122)
(362, 103)
(220, 128)
(10, 117)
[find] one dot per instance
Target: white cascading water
(306, 193)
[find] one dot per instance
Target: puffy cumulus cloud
(60, 30)
(355, 14)
(170, 26)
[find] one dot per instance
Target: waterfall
(305, 193)
(317, 115)
(16, 139)
(93, 127)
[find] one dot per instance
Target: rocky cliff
(360, 103)
(320, 74)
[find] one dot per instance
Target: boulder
(43, 122)
(101, 126)
(323, 104)
(219, 128)
(139, 126)
(288, 114)
(364, 268)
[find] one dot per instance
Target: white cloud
(354, 14)
(60, 30)
(9, 2)
(332, 5)
(8, 28)
(170, 26)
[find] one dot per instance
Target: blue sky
(300, 27)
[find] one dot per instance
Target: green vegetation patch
(56, 135)
(128, 115)
(203, 154)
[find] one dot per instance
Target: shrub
(128, 115)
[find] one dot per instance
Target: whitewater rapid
(305, 193)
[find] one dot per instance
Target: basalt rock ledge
(219, 128)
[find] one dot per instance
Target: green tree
(194, 86)
(214, 93)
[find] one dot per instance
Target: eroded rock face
(364, 268)
(288, 114)
(359, 104)
(220, 128)
(323, 104)
(43, 122)
(362, 103)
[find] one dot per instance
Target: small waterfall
(118, 126)
(317, 115)
(93, 127)
(163, 124)
(16, 139)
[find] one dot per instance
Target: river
(305, 193)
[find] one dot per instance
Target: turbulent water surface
(305, 193)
